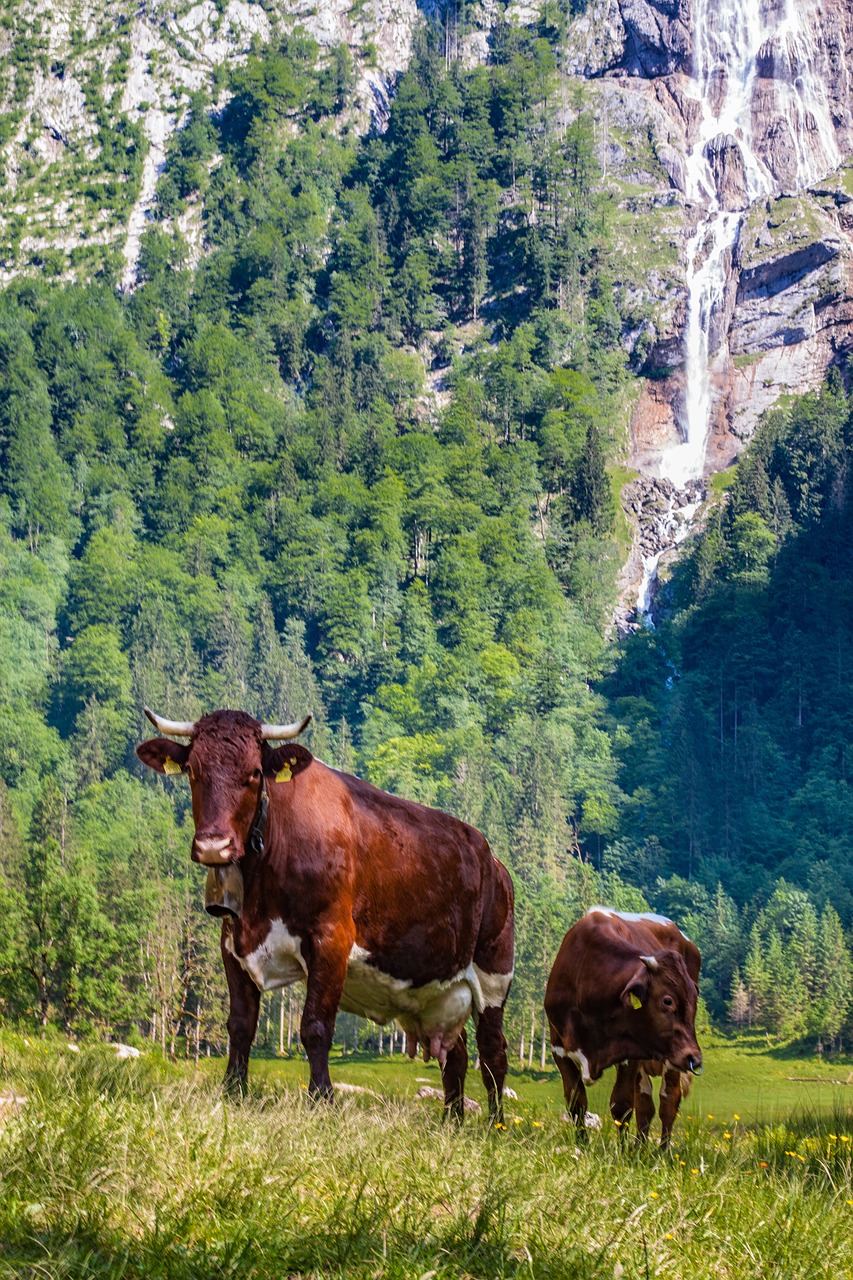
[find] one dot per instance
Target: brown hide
(599, 968)
(344, 866)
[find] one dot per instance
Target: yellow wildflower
(653, 1195)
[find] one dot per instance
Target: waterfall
(729, 40)
(727, 169)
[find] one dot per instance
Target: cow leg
(644, 1102)
(574, 1092)
(453, 1077)
(670, 1101)
(244, 1004)
(622, 1098)
(491, 1046)
(326, 974)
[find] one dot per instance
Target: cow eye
(255, 774)
(668, 1002)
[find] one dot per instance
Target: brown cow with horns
(382, 907)
(623, 990)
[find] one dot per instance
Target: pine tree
(739, 1006)
(832, 995)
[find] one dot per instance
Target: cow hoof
(235, 1087)
(321, 1093)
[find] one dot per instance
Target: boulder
(341, 1087)
(471, 1107)
(125, 1051)
(10, 1103)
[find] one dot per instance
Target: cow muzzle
(213, 851)
(694, 1064)
(223, 893)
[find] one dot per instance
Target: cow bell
(223, 893)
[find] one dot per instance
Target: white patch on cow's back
(277, 962)
(635, 917)
(579, 1059)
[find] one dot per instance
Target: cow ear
(164, 755)
(284, 762)
(636, 989)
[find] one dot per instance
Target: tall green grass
(137, 1169)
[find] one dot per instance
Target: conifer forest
(363, 457)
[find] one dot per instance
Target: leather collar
(259, 826)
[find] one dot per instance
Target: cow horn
(277, 731)
(651, 963)
(175, 728)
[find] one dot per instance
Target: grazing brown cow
(623, 989)
(382, 907)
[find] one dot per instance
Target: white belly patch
(277, 962)
(370, 993)
(436, 1006)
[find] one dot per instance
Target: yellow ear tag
(635, 1000)
(171, 766)
(284, 774)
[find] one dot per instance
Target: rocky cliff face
(740, 112)
(84, 64)
(786, 310)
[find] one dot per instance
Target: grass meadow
(139, 1169)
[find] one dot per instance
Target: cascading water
(730, 41)
(727, 42)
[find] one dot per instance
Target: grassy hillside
(132, 1169)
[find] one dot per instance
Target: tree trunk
(544, 1041)
(532, 1036)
